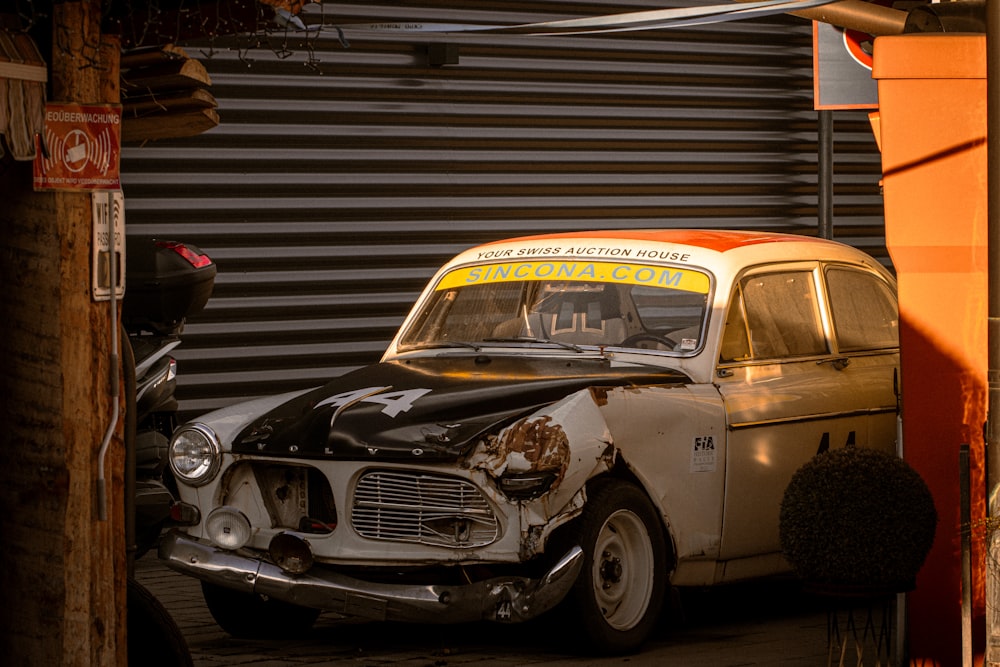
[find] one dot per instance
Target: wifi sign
(80, 149)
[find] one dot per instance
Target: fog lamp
(291, 553)
(228, 527)
(526, 485)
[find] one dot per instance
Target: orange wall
(931, 128)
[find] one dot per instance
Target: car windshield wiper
(446, 343)
(533, 339)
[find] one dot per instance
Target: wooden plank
(174, 75)
(199, 98)
(164, 95)
(19, 58)
(23, 72)
(169, 125)
(151, 55)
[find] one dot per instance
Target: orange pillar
(931, 129)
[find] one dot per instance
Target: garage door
(345, 170)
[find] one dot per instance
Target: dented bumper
(503, 599)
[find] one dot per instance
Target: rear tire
(254, 616)
(619, 595)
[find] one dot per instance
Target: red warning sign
(82, 147)
(860, 45)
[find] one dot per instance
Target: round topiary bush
(857, 519)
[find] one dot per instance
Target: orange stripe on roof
(717, 240)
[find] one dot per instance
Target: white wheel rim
(623, 570)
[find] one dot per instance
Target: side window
(773, 316)
(735, 337)
(865, 315)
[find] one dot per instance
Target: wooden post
(62, 570)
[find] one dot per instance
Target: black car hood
(428, 407)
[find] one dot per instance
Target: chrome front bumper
(503, 599)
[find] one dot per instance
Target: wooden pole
(62, 570)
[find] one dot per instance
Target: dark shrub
(857, 518)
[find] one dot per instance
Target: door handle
(840, 363)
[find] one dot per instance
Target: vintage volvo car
(573, 421)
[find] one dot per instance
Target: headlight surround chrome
(195, 454)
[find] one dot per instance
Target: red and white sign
(82, 147)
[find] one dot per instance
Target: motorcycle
(165, 283)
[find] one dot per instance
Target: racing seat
(584, 317)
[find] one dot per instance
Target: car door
(790, 391)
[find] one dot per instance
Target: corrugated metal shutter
(340, 178)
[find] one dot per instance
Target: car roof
(710, 248)
(721, 254)
(710, 239)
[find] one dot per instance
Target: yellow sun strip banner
(650, 275)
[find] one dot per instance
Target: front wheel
(254, 616)
(620, 591)
(154, 639)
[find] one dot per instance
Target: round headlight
(195, 454)
(228, 527)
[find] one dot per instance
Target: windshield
(569, 303)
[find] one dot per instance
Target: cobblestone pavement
(756, 624)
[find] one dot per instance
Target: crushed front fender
(508, 599)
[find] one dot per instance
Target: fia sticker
(703, 453)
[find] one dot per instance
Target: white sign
(842, 69)
(108, 245)
(703, 454)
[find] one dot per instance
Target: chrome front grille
(424, 508)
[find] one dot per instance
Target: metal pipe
(102, 494)
(128, 371)
(965, 514)
(866, 17)
(825, 176)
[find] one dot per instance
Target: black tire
(253, 616)
(619, 594)
(154, 640)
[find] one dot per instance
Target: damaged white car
(572, 421)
